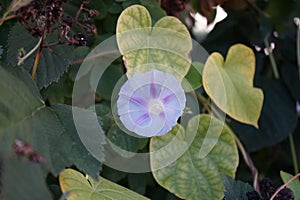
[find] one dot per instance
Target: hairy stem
(284, 185)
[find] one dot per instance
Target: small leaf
(230, 84)
(145, 47)
(294, 185)
(87, 188)
(191, 177)
(54, 61)
(236, 190)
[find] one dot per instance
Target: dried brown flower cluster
(46, 17)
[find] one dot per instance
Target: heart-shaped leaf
(87, 188)
(230, 84)
(191, 176)
(164, 47)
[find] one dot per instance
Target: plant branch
(284, 185)
(250, 164)
(21, 60)
(5, 18)
(37, 58)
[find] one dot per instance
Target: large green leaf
(87, 188)
(294, 185)
(230, 84)
(192, 176)
(145, 47)
(22, 180)
(54, 61)
(49, 130)
(236, 190)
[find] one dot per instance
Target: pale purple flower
(150, 103)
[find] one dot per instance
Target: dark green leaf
(236, 190)
(108, 80)
(291, 78)
(22, 179)
(278, 118)
(126, 145)
(137, 182)
(193, 77)
(54, 61)
(57, 92)
(49, 130)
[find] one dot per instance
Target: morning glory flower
(150, 103)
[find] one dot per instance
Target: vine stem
(284, 185)
(245, 155)
(249, 163)
(5, 18)
(37, 58)
(276, 75)
(30, 52)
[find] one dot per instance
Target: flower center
(155, 106)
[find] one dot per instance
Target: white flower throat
(155, 106)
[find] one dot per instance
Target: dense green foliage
(242, 94)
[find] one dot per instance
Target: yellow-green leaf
(87, 188)
(191, 176)
(230, 84)
(145, 47)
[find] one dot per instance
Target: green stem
(294, 155)
(276, 75)
(272, 59)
